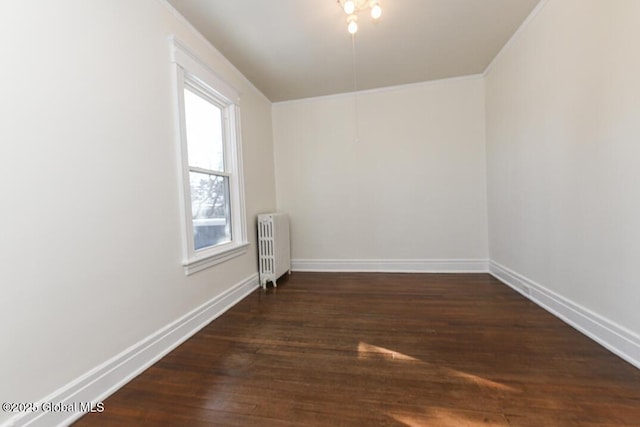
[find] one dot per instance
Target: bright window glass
(205, 138)
(210, 209)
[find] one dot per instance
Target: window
(208, 116)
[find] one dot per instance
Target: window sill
(222, 254)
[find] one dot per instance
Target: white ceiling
(291, 49)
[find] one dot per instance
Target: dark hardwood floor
(334, 349)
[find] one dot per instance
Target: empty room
(320, 213)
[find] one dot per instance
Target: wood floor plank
(355, 349)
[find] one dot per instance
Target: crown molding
(395, 88)
(532, 16)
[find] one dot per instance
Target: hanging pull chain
(355, 88)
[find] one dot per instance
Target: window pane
(210, 209)
(204, 132)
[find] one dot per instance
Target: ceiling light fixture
(353, 7)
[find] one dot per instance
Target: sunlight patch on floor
(447, 418)
(479, 380)
(370, 351)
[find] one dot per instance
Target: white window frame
(190, 70)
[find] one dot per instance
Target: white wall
(563, 132)
(413, 187)
(90, 243)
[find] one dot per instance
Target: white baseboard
(607, 333)
(105, 379)
(392, 265)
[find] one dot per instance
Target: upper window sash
(206, 156)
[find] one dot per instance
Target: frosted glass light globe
(352, 27)
(376, 11)
(349, 7)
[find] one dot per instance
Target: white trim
(199, 70)
(189, 70)
(208, 44)
(392, 265)
(224, 253)
(605, 332)
(236, 159)
(102, 381)
(380, 90)
(536, 10)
